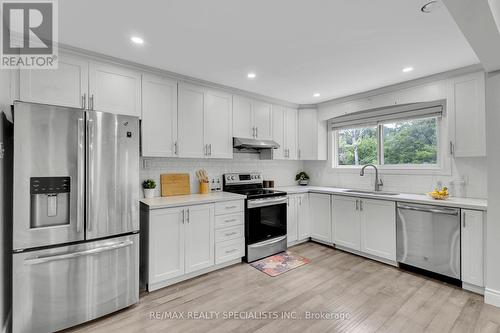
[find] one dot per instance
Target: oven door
(266, 219)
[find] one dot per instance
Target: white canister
(149, 193)
(457, 188)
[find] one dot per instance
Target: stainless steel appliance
(75, 217)
(265, 215)
(428, 238)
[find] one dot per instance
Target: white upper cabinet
(279, 131)
(467, 112)
(159, 117)
(291, 129)
(243, 117)
(65, 86)
(263, 118)
(252, 118)
(346, 222)
(114, 89)
(320, 217)
(190, 121)
(472, 247)
(200, 241)
(378, 228)
(218, 119)
(312, 138)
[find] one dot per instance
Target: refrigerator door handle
(71, 255)
(81, 176)
(89, 176)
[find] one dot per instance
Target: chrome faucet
(378, 182)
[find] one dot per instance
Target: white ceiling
(296, 47)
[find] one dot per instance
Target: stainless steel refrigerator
(75, 216)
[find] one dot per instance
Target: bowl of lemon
(439, 194)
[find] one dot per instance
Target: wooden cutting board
(175, 184)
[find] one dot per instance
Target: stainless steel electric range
(265, 214)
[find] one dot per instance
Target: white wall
(492, 293)
(282, 172)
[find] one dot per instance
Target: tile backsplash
(282, 172)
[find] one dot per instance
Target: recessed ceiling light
(407, 69)
(430, 6)
(316, 94)
(251, 75)
(137, 40)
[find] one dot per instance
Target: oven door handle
(256, 203)
(267, 242)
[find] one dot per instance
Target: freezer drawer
(61, 287)
(428, 237)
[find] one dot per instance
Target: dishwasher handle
(432, 210)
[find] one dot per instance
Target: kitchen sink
(370, 192)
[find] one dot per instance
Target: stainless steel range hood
(244, 143)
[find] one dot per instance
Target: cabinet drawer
(229, 233)
(229, 250)
(228, 207)
(231, 220)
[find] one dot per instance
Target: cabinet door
(166, 244)
(159, 116)
(263, 118)
(115, 89)
(279, 131)
(303, 220)
(346, 223)
(291, 133)
(467, 115)
(218, 124)
(320, 215)
(291, 219)
(472, 247)
(242, 117)
(378, 228)
(308, 134)
(65, 86)
(190, 121)
(200, 244)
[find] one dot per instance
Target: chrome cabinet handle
(299, 154)
(231, 207)
(256, 131)
(175, 148)
(452, 149)
(232, 251)
(188, 219)
(183, 216)
(84, 101)
(81, 175)
(229, 221)
(357, 204)
(231, 233)
(210, 149)
(72, 255)
(463, 219)
(361, 205)
(205, 150)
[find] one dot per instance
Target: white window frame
(442, 167)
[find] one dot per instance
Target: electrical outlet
(215, 184)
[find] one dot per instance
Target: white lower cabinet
(472, 247)
(199, 236)
(182, 242)
(365, 225)
(297, 218)
(378, 228)
(320, 217)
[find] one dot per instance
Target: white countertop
(467, 203)
(190, 199)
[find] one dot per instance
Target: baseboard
(321, 241)
(492, 297)
(473, 288)
(366, 255)
(166, 283)
(297, 242)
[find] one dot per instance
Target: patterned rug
(280, 263)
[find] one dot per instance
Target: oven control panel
(242, 178)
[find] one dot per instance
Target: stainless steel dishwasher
(428, 238)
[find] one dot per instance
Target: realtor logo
(29, 34)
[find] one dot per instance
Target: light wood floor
(376, 297)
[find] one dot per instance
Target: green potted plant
(302, 178)
(149, 186)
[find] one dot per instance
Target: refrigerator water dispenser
(50, 199)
